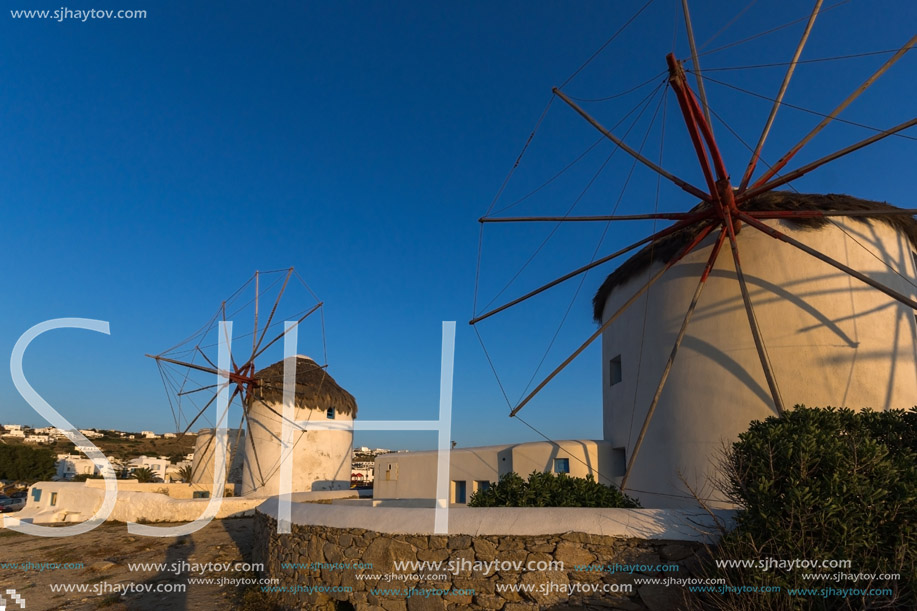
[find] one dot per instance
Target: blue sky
(150, 166)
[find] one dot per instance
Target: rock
(332, 552)
(484, 550)
(509, 544)
(421, 603)
(489, 601)
(463, 560)
(546, 547)
(437, 542)
(435, 555)
(549, 586)
(101, 565)
(577, 537)
(383, 552)
(628, 605)
(394, 604)
(661, 598)
(675, 552)
(572, 555)
(459, 542)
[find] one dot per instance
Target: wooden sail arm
(824, 122)
(653, 166)
(790, 176)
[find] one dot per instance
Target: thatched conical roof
(666, 248)
(315, 388)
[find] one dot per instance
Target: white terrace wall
(60, 502)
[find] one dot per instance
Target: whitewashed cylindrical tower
(832, 340)
(202, 466)
(321, 459)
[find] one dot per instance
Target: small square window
(200, 494)
(561, 465)
(481, 485)
(458, 491)
(53, 499)
(614, 370)
(36, 494)
(330, 413)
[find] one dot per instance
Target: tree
(27, 464)
(185, 473)
(144, 475)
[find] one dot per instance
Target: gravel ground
(105, 554)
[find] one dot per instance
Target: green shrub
(823, 484)
(549, 490)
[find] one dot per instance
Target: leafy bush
(549, 490)
(823, 484)
(27, 464)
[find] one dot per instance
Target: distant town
(167, 461)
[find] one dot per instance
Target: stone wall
(342, 589)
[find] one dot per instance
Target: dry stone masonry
(319, 554)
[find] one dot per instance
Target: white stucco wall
(321, 459)
(77, 501)
(412, 475)
(204, 452)
(832, 340)
(669, 524)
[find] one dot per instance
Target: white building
(158, 465)
(149, 435)
(321, 459)
(70, 465)
(38, 439)
(91, 434)
(410, 477)
(832, 340)
(362, 473)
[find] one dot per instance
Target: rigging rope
(477, 273)
(771, 31)
(746, 145)
(813, 112)
(646, 302)
(623, 93)
(601, 238)
(646, 101)
(804, 61)
(606, 43)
